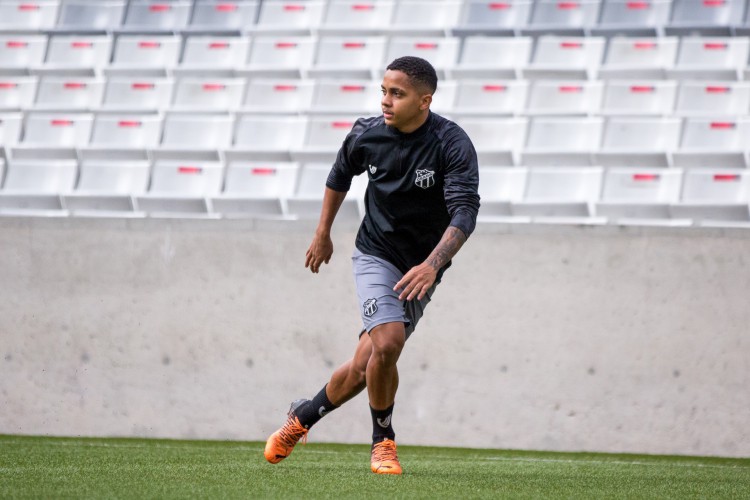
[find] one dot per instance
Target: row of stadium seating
(464, 97)
(548, 56)
(133, 183)
(501, 141)
(382, 15)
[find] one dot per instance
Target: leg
(349, 379)
(382, 382)
(382, 375)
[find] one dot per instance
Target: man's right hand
(320, 251)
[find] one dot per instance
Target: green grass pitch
(43, 467)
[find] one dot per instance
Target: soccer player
(421, 206)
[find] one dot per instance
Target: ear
(425, 102)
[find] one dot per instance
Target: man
(421, 206)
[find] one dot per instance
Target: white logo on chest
(373, 169)
(425, 178)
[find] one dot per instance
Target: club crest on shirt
(370, 307)
(425, 178)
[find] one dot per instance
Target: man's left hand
(416, 282)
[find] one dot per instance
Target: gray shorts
(379, 304)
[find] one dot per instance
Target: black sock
(309, 413)
(381, 424)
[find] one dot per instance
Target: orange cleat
(384, 458)
(281, 443)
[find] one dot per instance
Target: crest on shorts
(425, 178)
(370, 307)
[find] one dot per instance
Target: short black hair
(419, 71)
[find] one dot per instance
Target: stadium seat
(36, 178)
(281, 56)
(711, 194)
(565, 57)
(705, 16)
(28, 15)
(495, 15)
(307, 200)
(443, 100)
(704, 58)
(327, 133)
(288, 16)
(441, 52)
(423, 15)
(563, 15)
(490, 97)
(639, 141)
(639, 97)
(554, 97)
(716, 134)
(630, 193)
(224, 15)
(499, 187)
(146, 51)
(91, 15)
(182, 182)
(157, 15)
(562, 140)
(215, 52)
(270, 134)
(493, 57)
(498, 141)
(78, 51)
(197, 130)
(560, 192)
(108, 181)
(17, 92)
(713, 99)
(208, 94)
(57, 129)
(119, 130)
(639, 58)
(365, 15)
(278, 96)
(60, 93)
(349, 57)
(347, 96)
(22, 51)
(128, 93)
(255, 188)
(634, 16)
(10, 129)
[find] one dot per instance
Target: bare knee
(388, 342)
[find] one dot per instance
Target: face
(404, 106)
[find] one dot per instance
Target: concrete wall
(556, 338)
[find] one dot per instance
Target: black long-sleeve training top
(419, 184)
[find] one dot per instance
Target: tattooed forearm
(449, 245)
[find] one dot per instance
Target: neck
(418, 122)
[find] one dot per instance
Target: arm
(419, 279)
(321, 248)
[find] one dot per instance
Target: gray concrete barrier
(554, 338)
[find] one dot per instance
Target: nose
(385, 101)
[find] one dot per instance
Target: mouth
(388, 115)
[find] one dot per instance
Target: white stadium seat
(35, 179)
(639, 58)
(128, 93)
(711, 194)
(223, 14)
(157, 15)
(215, 52)
(91, 15)
(197, 130)
(281, 56)
(307, 200)
(352, 57)
(493, 57)
(61, 93)
(630, 193)
(264, 95)
(639, 97)
(490, 97)
(255, 188)
(17, 92)
(146, 51)
(26, 15)
(116, 130)
(269, 133)
(560, 192)
(57, 129)
(713, 98)
(204, 94)
(78, 51)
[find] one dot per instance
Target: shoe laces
(292, 431)
(384, 451)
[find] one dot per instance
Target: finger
(405, 294)
(403, 281)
